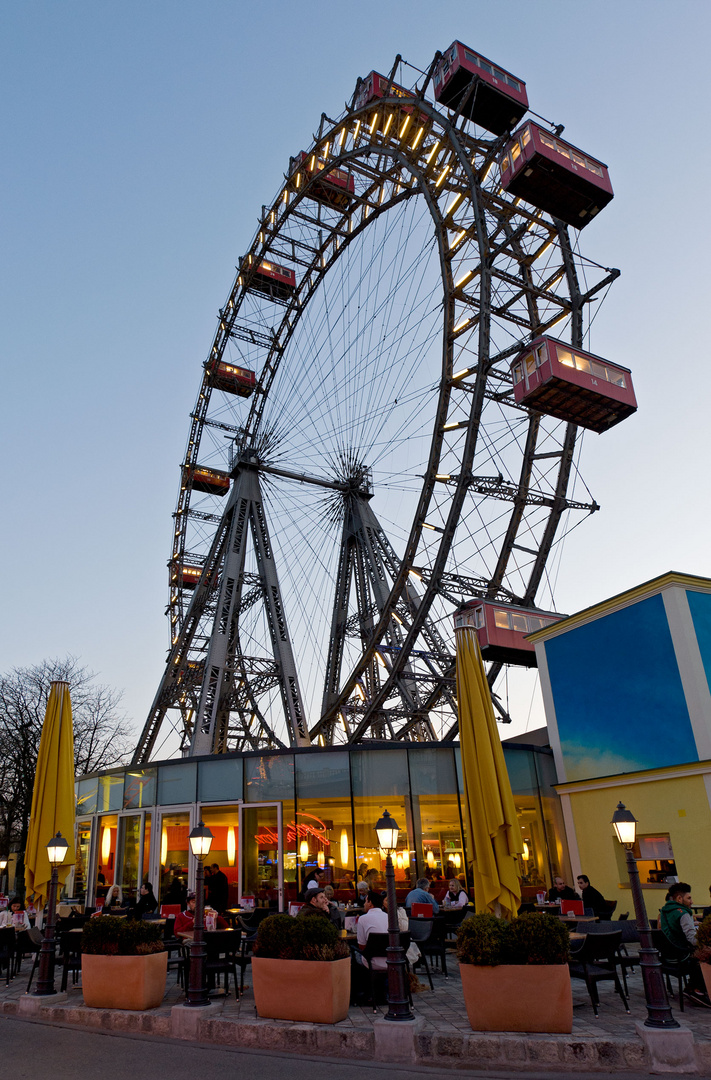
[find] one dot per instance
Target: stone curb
(451, 1049)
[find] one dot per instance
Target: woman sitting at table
(113, 898)
(455, 897)
(185, 921)
(14, 916)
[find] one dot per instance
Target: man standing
(421, 895)
(218, 889)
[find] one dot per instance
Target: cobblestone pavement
(441, 1009)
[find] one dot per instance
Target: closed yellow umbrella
(53, 794)
(489, 808)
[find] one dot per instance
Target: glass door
(171, 849)
(129, 860)
(261, 855)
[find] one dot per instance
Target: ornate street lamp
(659, 1014)
(3, 868)
(200, 843)
(398, 997)
(56, 853)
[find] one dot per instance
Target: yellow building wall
(678, 806)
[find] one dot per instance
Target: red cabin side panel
(502, 629)
(499, 99)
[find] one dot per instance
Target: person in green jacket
(677, 924)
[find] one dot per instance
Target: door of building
(261, 853)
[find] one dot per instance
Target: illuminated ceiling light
(105, 845)
(454, 203)
(430, 860)
(321, 859)
(398, 861)
(231, 846)
(457, 861)
(344, 848)
(442, 176)
(526, 851)
(304, 851)
(405, 859)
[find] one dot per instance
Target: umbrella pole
(45, 979)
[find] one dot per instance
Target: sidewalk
(442, 1036)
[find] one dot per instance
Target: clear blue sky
(139, 143)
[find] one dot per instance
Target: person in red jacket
(185, 921)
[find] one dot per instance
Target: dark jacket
(218, 891)
(595, 900)
(145, 905)
(309, 910)
(566, 894)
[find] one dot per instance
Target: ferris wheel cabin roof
(554, 378)
(554, 175)
(498, 99)
(332, 187)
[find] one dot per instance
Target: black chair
(675, 963)
(625, 915)
(596, 961)
(628, 933)
(436, 943)
(223, 954)
(7, 951)
(172, 945)
(70, 957)
(420, 931)
(376, 946)
(27, 943)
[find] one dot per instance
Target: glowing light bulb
(344, 847)
(304, 851)
(105, 845)
(231, 845)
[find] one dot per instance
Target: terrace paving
(608, 1043)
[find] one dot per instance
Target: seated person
(146, 904)
(316, 903)
(14, 916)
(113, 898)
(373, 920)
(185, 921)
(455, 896)
(361, 893)
(677, 924)
(592, 898)
(561, 891)
(421, 895)
(336, 915)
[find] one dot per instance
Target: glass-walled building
(278, 817)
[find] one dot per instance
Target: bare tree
(102, 735)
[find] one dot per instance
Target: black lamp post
(56, 852)
(3, 868)
(659, 1014)
(200, 842)
(398, 998)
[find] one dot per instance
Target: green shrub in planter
(485, 941)
(108, 935)
(703, 941)
(282, 937)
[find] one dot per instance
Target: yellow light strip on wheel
(405, 126)
(543, 250)
(457, 240)
(461, 374)
(461, 326)
(374, 124)
(432, 152)
(342, 138)
(417, 138)
(454, 203)
(463, 279)
(356, 131)
(442, 175)
(386, 129)
(443, 476)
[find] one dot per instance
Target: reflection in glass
(110, 794)
(260, 855)
(223, 822)
(81, 868)
(105, 863)
(139, 789)
(128, 857)
(174, 859)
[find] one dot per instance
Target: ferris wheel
(361, 460)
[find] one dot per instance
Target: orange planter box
(518, 997)
(124, 982)
(313, 991)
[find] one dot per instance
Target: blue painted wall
(700, 608)
(618, 695)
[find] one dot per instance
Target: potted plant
(301, 970)
(515, 975)
(703, 951)
(123, 965)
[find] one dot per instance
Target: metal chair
(7, 951)
(70, 954)
(223, 955)
(420, 931)
(596, 961)
(675, 963)
(436, 943)
(376, 946)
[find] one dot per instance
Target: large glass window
(380, 782)
(129, 849)
(106, 861)
(177, 783)
(323, 820)
(269, 777)
(174, 858)
(223, 822)
(436, 820)
(81, 867)
(87, 794)
(110, 795)
(220, 780)
(139, 789)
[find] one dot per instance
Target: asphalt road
(35, 1051)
